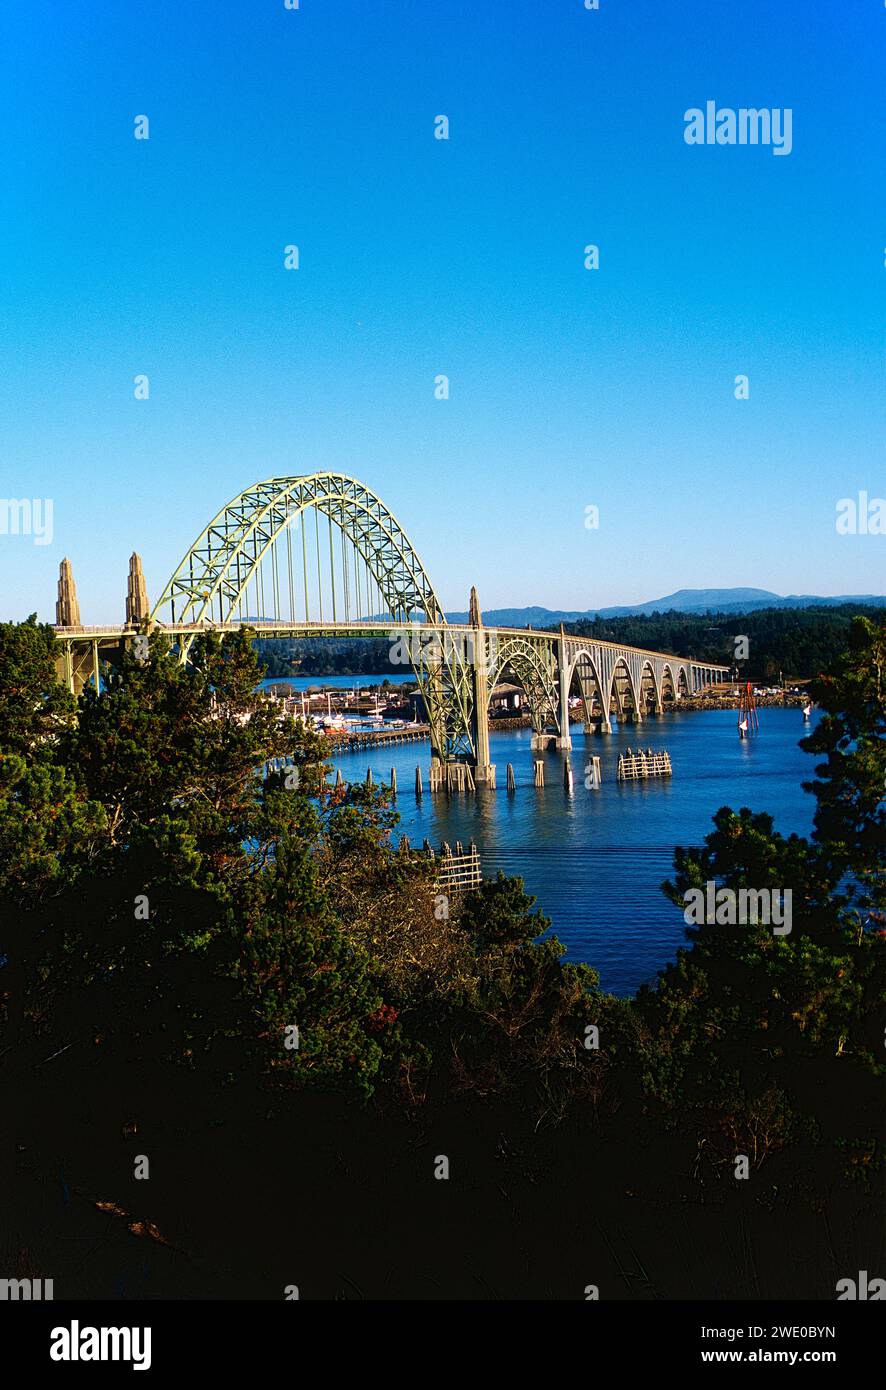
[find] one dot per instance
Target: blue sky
(569, 387)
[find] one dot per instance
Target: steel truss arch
(213, 576)
(214, 573)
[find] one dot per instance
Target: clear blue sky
(568, 387)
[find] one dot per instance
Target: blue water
(595, 860)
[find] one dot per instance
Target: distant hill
(735, 601)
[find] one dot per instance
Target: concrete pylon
(474, 617)
(137, 610)
(484, 770)
(67, 607)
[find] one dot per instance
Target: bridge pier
(565, 739)
(78, 663)
(597, 727)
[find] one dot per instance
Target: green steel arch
(213, 575)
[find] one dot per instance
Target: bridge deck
(368, 628)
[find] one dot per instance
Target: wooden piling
(567, 776)
(512, 784)
(539, 773)
(393, 781)
(418, 786)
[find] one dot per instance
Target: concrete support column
(606, 701)
(565, 739)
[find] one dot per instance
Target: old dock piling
(454, 872)
(451, 777)
(634, 767)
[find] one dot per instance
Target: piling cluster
(637, 766)
(456, 870)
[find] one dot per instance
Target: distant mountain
(683, 601)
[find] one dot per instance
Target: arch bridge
(320, 555)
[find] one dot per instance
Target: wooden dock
(377, 738)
